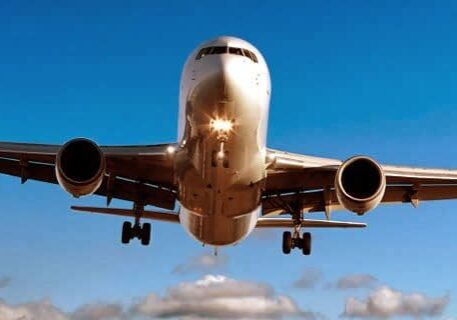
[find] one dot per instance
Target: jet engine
(360, 184)
(80, 167)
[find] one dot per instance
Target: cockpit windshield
(226, 50)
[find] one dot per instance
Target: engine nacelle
(360, 184)
(80, 167)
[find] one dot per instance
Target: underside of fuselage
(220, 166)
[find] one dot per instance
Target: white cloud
(218, 297)
(42, 310)
(203, 263)
(98, 311)
(356, 281)
(211, 297)
(309, 279)
(386, 302)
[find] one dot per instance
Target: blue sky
(353, 77)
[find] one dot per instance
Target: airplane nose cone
(233, 74)
(226, 84)
(225, 68)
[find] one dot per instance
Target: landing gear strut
(293, 240)
(140, 231)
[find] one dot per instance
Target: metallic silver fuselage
(220, 197)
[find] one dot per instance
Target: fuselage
(220, 163)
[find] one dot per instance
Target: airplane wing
(145, 214)
(306, 223)
(310, 181)
(140, 174)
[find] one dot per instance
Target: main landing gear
(293, 240)
(290, 242)
(140, 231)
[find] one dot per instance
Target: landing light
(171, 149)
(221, 125)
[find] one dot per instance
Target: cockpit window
(219, 50)
(222, 50)
(236, 51)
(250, 55)
(203, 52)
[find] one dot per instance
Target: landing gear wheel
(306, 243)
(146, 234)
(126, 232)
(286, 242)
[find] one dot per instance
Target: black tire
(126, 232)
(307, 243)
(286, 242)
(146, 234)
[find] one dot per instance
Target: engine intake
(80, 167)
(360, 184)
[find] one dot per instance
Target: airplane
(220, 181)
